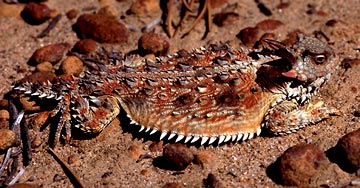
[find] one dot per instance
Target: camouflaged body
(207, 94)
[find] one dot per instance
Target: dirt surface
(110, 159)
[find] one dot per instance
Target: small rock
(35, 13)
(4, 114)
(135, 151)
(227, 18)
(212, 182)
(72, 65)
(248, 36)
(11, 10)
(331, 23)
(85, 46)
(269, 24)
(4, 104)
(73, 159)
(4, 124)
(350, 145)
(144, 7)
(205, 158)
(300, 163)
(71, 14)
(44, 67)
(153, 43)
(108, 11)
(52, 53)
(36, 142)
(7, 139)
(172, 185)
(101, 28)
(178, 156)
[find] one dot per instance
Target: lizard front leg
(287, 117)
(93, 114)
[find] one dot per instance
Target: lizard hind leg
(287, 118)
(91, 115)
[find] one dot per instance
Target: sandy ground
(109, 160)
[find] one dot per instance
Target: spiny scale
(218, 93)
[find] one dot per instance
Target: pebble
(178, 156)
(85, 46)
(10, 10)
(172, 185)
(72, 65)
(269, 24)
(4, 114)
(153, 43)
(73, 158)
(248, 36)
(212, 182)
(4, 124)
(226, 18)
(108, 11)
(101, 28)
(350, 145)
(4, 104)
(35, 13)
(7, 139)
(44, 67)
(71, 14)
(300, 163)
(36, 142)
(144, 7)
(52, 53)
(205, 158)
(135, 151)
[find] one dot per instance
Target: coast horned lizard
(206, 95)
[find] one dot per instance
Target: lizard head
(311, 59)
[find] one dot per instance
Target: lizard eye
(319, 59)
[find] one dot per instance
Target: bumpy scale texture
(206, 95)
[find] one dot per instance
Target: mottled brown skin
(218, 93)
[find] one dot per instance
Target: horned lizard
(207, 94)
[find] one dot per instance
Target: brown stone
(227, 18)
(153, 43)
(178, 156)
(7, 139)
(172, 185)
(85, 46)
(248, 36)
(300, 163)
(72, 65)
(144, 7)
(350, 145)
(101, 28)
(52, 53)
(269, 24)
(35, 13)
(71, 14)
(44, 67)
